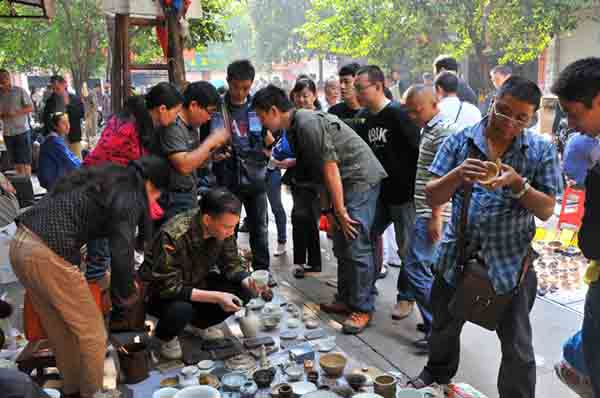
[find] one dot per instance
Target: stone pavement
(387, 343)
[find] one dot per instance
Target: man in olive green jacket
(194, 271)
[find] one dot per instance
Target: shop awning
(46, 6)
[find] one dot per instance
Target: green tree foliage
(415, 31)
(275, 23)
(73, 41)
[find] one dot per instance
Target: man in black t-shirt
(349, 107)
(180, 144)
(394, 138)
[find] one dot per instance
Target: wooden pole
(120, 81)
(175, 51)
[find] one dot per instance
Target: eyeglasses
(513, 121)
(359, 89)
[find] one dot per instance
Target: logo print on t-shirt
(377, 136)
(240, 128)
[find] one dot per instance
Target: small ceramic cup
(385, 386)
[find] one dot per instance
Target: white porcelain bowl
(198, 392)
(167, 392)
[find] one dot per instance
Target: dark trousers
(174, 315)
(305, 227)
(517, 375)
(591, 336)
(256, 206)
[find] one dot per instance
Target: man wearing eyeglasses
(180, 143)
(578, 90)
(499, 231)
(394, 139)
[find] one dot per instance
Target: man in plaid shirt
(500, 229)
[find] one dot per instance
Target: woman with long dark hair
(108, 202)
(126, 137)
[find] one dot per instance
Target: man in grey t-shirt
(334, 156)
(15, 107)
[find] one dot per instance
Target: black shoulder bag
(475, 299)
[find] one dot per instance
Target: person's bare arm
(186, 162)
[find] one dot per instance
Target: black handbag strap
(464, 219)
(464, 215)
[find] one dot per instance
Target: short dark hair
(204, 93)
(374, 72)
(218, 201)
(445, 62)
(349, 69)
(271, 96)
(447, 81)
(163, 94)
(579, 81)
(522, 89)
(504, 70)
(241, 70)
(57, 79)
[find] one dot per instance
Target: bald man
(422, 104)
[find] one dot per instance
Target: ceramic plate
(288, 335)
(303, 387)
(321, 394)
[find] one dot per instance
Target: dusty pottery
(208, 379)
(250, 324)
(311, 323)
(241, 363)
(333, 364)
(385, 386)
(301, 388)
(264, 377)
(285, 391)
(234, 381)
(293, 323)
(294, 372)
(288, 335)
(356, 381)
(313, 376)
(249, 389)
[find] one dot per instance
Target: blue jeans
(403, 217)
(256, 210)
(591, 335)
(98, 259)
(356, 257)
(274, 196)
(420, 257)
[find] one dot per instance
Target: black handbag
(475, 299)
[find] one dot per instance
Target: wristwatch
(522, 192)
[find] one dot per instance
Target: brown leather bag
(475, 299)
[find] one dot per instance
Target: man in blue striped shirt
(500, 229)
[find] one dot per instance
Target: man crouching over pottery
(194, 272)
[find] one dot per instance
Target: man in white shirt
(462, 113)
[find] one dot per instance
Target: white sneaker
(280, 251)
(171, 349)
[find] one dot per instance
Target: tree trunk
(110, 30)
(175, 51)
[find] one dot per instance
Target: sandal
(299, 272)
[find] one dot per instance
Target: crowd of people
(172, 172)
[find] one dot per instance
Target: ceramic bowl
(492, 171)
(333, 364)
(198, 392)
(271, 309)
(233, 381)
(270, 322)
(293, 323)
(206, 365)
(167, 392)
(294, 372)
(208, 379)
(367, 395)
(356, 380)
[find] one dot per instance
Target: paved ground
(387, 343)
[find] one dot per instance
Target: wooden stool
(36, 355)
